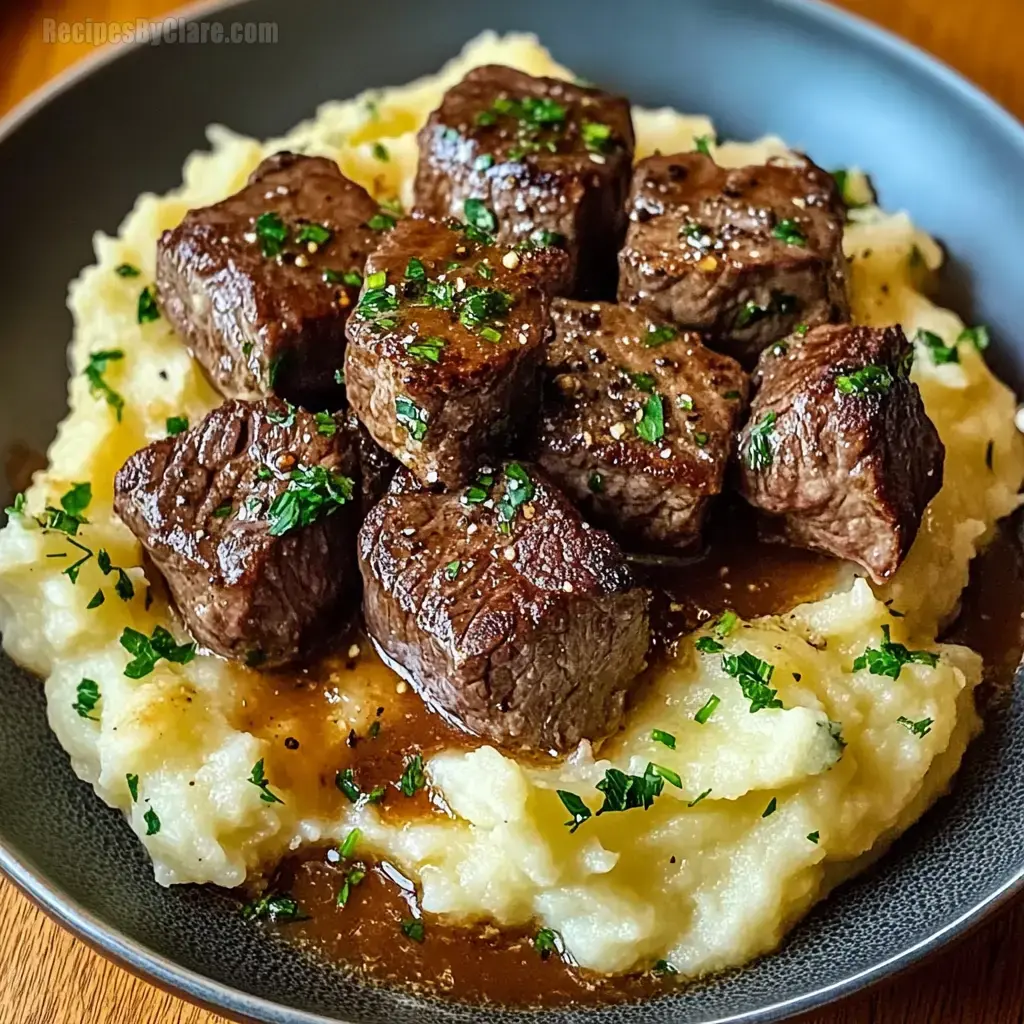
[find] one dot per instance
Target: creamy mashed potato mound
(703, 883)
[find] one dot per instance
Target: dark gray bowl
(74, 159)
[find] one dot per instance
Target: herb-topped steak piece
(261, 284)
(251, 516)
(505, 611)
(839, 446)
(552, 159)
(638, 421)
(446, 343)
(745, 253)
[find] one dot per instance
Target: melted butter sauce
(319, 722)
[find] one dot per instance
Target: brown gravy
(501, 966)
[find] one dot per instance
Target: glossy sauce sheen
(306, 715)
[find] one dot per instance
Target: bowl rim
(198, 988)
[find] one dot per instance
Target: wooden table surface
(48, 977)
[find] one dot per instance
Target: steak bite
(839, 446)
(745, 253)
(505, 611)
(551, 158)
(251, 516)
(446, 343)
(261, 284)
(638, 421)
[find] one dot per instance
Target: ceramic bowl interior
(844, 91)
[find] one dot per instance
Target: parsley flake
(919, 729)
(753, 675)
(88, 693)
(868, 380)
(133, 786)
(660, 736)
(788, 231)
(708, 710)
(176, 425)
(311, 494)
(147, 651)
(98, 387)
(760, 452)
(127, 270)
(273, 908)
(940, 352)
(258, 778)
(412, 928)
(412, 417)
(889, 659)
(651, 426)
(413, 777)
(576, 807)
(147, 310)
(152, 820)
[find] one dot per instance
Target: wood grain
(48, 977)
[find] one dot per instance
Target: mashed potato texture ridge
(704, 879)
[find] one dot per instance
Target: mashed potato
(704, 879)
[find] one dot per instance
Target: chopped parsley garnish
(726, 623)
(412, 928)
(88, 693)
(759, 453)
(381, 222)
(147, 651)
(223, 510)
(660, 736)
(671, 777)
(348, 847)
(413, 776)
(427, 349)
(98, 387)
(318, 234)
(258, 778)
(451, 570)
(596, 137)
(753, 675)
(380, 152)
(519, 490)
(651, 426)
(595, 484)
(152, 820)
(17, 506)
(95, 601)
(412, 417)
(576, 807)
(641, 381)
(123, 587)
(352, 278)
(481, 308)
(868, 380)
(133, 786)
(940, 352)
(703, 143)
(919, 729)
(770, 809)
(378, 302)
(801, 329)
(480, 217)
(700, 438)
(624, 792)
(484, 162)
(708, 710)
(788, 231)
(273, 908)
(272, 233)
(977, 336)
(814, 837)
(73, 570)
(697, 799)
(685, 402)
(176, 425)
(656, 336)
(147, 310)
(352, 878)
(708, 645)
(127, 270)
(415, 271)
(889, 659)
(480, 490)
(69, 517)
(346, 783)
(311, 494)
(545, 942)
(326, 424)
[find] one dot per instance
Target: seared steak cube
(552, 160)
(839, 446)
(638, 421)
(504, 610)
(261, 284)
(251, 516)
(446, 343)
(745, 253)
